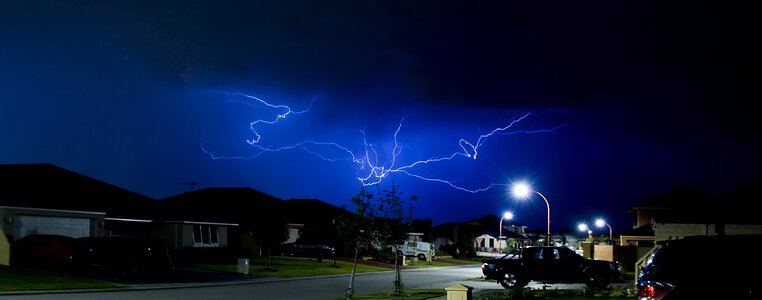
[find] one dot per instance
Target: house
(686, 211)
(492, 238)
(47, 199)
(483, 234)
(219, 222)
(212, 222)
(319, 221)
(241, 219)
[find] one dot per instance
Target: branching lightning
(372, 171)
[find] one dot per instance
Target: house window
(206, 236)
(492, 243)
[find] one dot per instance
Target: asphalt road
(191, 284)
(234, 286)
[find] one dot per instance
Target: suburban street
(328, 287)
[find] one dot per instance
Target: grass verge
(413, 294)
(557, 294)
(23, 280)
(288, 267)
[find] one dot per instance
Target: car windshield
(511, 255)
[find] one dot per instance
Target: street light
(507, 216)
(583, 227)
(521, 190)
(600, 223)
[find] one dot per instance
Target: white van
(419, 249)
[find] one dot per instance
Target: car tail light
(653, 290)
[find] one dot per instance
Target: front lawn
(526, 293)
(287, 267)
(412, 294)
(23, 280)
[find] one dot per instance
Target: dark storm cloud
(489, 54)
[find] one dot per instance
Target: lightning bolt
(367, 159)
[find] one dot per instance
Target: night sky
(598, 105)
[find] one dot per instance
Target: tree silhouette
(269, 229)
(393, 224)
(356, 230)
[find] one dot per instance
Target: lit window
(206, 236)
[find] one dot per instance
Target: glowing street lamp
(521, 190)
(507, 216)
(583, 227)
(600, 223)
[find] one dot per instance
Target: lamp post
(507, 216)
(600, 223)
(521, 190)
(583, 227)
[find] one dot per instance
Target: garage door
(73, 227)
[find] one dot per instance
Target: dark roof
(680, 198)
(312, 211)
(694, 206)
(444, 229)
(644, 230)
(52, 187)
(488, 224)
(224, 205)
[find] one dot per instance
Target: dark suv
(552, 265)
(703, 267)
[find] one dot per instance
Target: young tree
(356, 230)
(394, 217)
(463, 243)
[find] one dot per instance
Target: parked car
(550, 264)
(124, 256)
(308, 250)
(703, 267)
(43, 251)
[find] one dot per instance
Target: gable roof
(52, 187)
(227, 205)
(312, 211)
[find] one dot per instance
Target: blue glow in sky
(374, 162)
(612, 102)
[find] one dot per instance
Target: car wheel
(510, 280)
(421, 256)
(598, 280)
